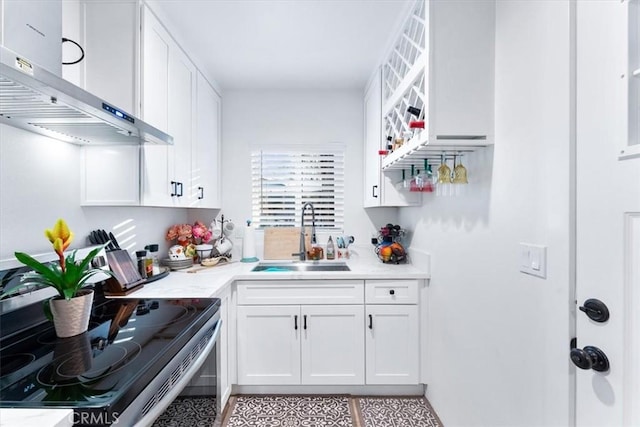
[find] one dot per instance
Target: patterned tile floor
(303, 411)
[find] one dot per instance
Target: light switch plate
(533, 259)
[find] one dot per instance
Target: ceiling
(284, 44)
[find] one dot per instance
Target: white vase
(71, 317)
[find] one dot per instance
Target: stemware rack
(418, 149)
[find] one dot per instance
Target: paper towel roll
(249, 244)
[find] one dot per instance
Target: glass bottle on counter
(153, 255)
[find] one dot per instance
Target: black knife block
(126, 276)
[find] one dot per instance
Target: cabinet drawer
(391, 292)
(300, 292)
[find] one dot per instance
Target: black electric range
(100, 373)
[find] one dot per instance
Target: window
(284, 180)
(632, 150)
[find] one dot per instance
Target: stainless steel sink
(281, 267)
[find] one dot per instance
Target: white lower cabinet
(332, 344)
(297, 332)
(392, 343)
(393, 333)
(268, 345)
(291, 344)
(328, 332)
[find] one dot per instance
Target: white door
(268, 344)
(392, 343)
(607, 216)
(332, 344)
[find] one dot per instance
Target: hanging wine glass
(444, 178)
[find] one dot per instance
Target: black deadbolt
(596, 310)
(590, 358)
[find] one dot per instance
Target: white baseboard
(357, 390)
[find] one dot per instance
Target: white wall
(499, 339)
(40, 182)
(296, 117)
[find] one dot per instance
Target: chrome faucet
(303, 254)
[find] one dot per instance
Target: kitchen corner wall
(498, 338)
(40, 182)
(293, 117)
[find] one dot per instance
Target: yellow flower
(60, 236)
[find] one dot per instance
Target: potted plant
(71, 308)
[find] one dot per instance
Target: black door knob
(392, 292)
(596, 310)
(590, 358)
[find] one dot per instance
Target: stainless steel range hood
(34, 99)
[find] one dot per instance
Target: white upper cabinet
(440, 71)
(132, 61)
(168, 102)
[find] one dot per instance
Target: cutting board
(281, 242)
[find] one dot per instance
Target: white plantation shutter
(283, 181)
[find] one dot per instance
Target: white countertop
(212, 281)
(36, 417)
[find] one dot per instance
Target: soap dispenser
(331, 250)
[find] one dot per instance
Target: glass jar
(154, 261)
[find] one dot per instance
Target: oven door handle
(177, 388)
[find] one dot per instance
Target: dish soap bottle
(331, 250)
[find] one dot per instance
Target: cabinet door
(332, 344)
(268, 345)
(157, 161)
(392, 344)
(372, 141)
(110, 176)
(168, 102)
(182, 90)
(205, 179)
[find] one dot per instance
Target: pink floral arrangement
(186, 234)
(201, 233)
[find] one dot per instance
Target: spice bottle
(153, 256)
(331, 250)
(141, 258)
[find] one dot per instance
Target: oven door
(173, 379)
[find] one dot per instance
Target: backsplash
(45, 185)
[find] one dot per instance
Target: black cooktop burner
(128, 342)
